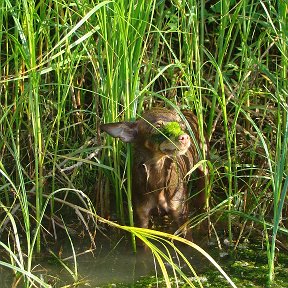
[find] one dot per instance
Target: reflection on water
(107, 264)
(104, 265)
(6, 277)
(118, 265)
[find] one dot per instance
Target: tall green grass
(123, 37)
(68, 66)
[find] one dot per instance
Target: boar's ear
(126, 131)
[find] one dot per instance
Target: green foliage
(68, 66)
(172, 129)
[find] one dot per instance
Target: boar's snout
(184, 139)
(179, 146)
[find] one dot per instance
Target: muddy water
(106, 265)
(118, 265)
(111, 266)
(114, 265)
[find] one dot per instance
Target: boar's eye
(159, 125)
(182, 125)
(157, 134)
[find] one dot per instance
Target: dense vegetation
(67, 66)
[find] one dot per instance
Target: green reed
(242, 80)
(278, 32)
(40, 110)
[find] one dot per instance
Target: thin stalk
(34, 107)
(228, 168)
(279, 199)
(220, 53)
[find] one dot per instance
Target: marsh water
(113, 264)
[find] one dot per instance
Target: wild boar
(163, 156)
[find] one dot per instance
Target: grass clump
(172, 129)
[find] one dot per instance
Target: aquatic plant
(172, 129)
